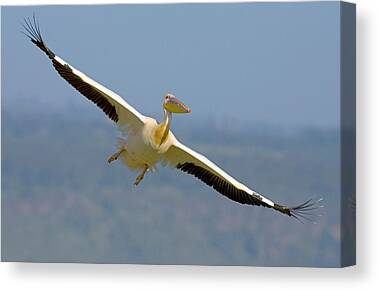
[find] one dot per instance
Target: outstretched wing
(116, 108)
(193, 163)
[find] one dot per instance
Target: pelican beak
(172, 104)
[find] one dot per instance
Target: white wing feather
(178, 154)
(128, 116)
(112, 104)
(193, 163)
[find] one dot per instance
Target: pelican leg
(140, 176)
(115, 155)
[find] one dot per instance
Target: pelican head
(172, 104)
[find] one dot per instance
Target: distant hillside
(61, 201)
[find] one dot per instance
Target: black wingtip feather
(307, 211)
(33, 32)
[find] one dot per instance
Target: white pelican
(149, 142)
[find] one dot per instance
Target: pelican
(150, 143)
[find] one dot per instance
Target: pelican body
(149, 142)
(144, 148)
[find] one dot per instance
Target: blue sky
(274, 64)
(238, 66)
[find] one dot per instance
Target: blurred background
(262, 81)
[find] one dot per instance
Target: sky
(246, 71)
(261, 63)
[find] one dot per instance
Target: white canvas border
(25, 276)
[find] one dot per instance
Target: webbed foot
(141, 176)
(115, 156)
